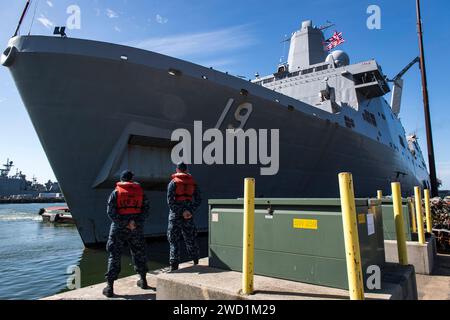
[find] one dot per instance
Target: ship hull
(97, 113)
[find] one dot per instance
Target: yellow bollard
(419, 215)
(399, 223)
(412, 213)
(379, 194)
(352, 251)
(249, 238)
(428, 210)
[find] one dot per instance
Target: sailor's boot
(109, 290)
(142, 282)
(195, 262)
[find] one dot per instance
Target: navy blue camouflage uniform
(181, 228)
(120, 235)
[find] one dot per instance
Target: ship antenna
(24, 13)
(8, 166)
(286, 39)
(34, 16)
(328, 25)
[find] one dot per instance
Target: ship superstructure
(356, 92)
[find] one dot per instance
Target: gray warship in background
(99, 108)
(17, 186)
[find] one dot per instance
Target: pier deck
(125, 289)
(436, 286)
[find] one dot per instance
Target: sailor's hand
(187, 215)
(131, 225)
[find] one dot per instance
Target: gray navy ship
(17, 186)
(99, 108)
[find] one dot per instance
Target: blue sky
(241, 37)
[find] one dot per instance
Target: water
(34, 256)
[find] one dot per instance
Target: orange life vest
(130, 198)
(185, 186)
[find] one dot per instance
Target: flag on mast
(335, 40)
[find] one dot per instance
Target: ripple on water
(34, 256)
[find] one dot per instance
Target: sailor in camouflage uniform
(127, 208)
(183, 199)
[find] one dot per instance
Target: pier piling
(428, 210)
(249, 237)
(399, 223)
(412, 212)
(352, 250)
(419, 215)
(380, 194)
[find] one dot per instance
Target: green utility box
(295, 239)
(388, 219)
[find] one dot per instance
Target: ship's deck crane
(396, 98)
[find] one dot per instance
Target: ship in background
(99, 108)
(17, 186)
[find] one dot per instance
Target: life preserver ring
(8, 56)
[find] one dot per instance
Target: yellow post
(419, 215)
(399, 223)
(412, 212)
(249, 239)
(428, 210)
(352, 251)
(380, 194)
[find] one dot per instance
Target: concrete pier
(203, 283)
(421, 256)
(125, 289)
(225, 285)
(437, 285)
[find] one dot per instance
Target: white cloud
(199, 44)
(161, 19)
(50, 4)
(217, 64)
(45, 21)
(116, 28)
(111, 14)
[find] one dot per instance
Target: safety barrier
(350, 230)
